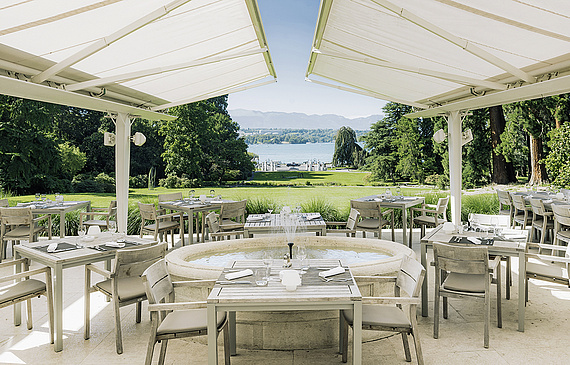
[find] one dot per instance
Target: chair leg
(139, 312)
(487, 320)
(227, 351)
(417, 344)
(162, 355)
(87, 305)
(508, 279)
(29, 308)
(436, 311)
(49, 295)
(406, 346)
(118, 330)
(150, 348)
(345, 342)
(499, 310)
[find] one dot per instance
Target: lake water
(294, 152)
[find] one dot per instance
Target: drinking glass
(470, 220)
(212, 193)
(191, 194)
(388, 193)
(112, 227)
(38, 197)
(302, 256)
(43, 197)
(267, 261)
(81, 234)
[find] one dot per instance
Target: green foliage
(174, 182)
(480, 203)
(106, 182)
(477, 153)
(138, 181)
(203, 142)
(260, 205)
(379, 143)
(514, 145)
(293, 136)
(409, 150)
(72, 159)
(320, 205)
(558, 161)
(347, 152)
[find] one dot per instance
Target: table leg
(17, 306)
(212, 335)
(232, 324)
(181, 230)
(357, 334)
(190, 227)
(405, 226)
(58, 307)
(423, 258)
(522, 282)
(62, 225)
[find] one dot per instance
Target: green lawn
(356, 178)
(339, 196)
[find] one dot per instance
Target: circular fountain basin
(292, 329)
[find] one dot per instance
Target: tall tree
(203, 143)
(379, 143)
(345, 147)
(503, 170)
(537, 118)
(409, 150)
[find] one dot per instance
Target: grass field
(345, 178)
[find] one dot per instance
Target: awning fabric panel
(435, 45)
(48, 32)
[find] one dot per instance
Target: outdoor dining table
(398, 202)
(191, 206)
(312, 294)
(270, 223)
(71, 252)
(547, 199)
(500, 246)
(57, 208)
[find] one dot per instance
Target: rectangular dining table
(191, 206)
(270, 223)
(57, 208)
(503, 247)
(403, 202)
(71, 255)
(312, 294)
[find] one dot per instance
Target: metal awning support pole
(122, 168)
(455, 157)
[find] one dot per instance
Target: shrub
(320, 205)
(107, 182)
(138, 182)
(261, 205)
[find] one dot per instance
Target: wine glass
(388, 193)
(81, 233)
(470, 220)
(212, 193)
(267, 261)
(302, 256)
(43, 197)
(191, 194)
(112, 227)
(38, 197)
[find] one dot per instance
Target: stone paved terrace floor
(545, 340)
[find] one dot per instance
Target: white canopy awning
(444, 55)
(130, 58)
(138, 56)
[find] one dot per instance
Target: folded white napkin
(238, 274)
(334, 271)
(115, 244)
(474, 240)
(52, 247)
(315, 216)
(216, 201)
(254, 219)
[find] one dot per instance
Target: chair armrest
(41, 217)
(24, 274)
(388, 211)
(423, 210)
(552, 247)
(549, 258)
(196, 283)
(94, 213)
(374, 279)
(12, 262)
(171, 215)
(494, 263)
(390, 300)
(105, 273)
(176, 306)
(335, 223)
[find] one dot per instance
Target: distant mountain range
(257, 119)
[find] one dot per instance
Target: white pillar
(454, 141)
(122, 168)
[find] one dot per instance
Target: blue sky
(289, 27)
